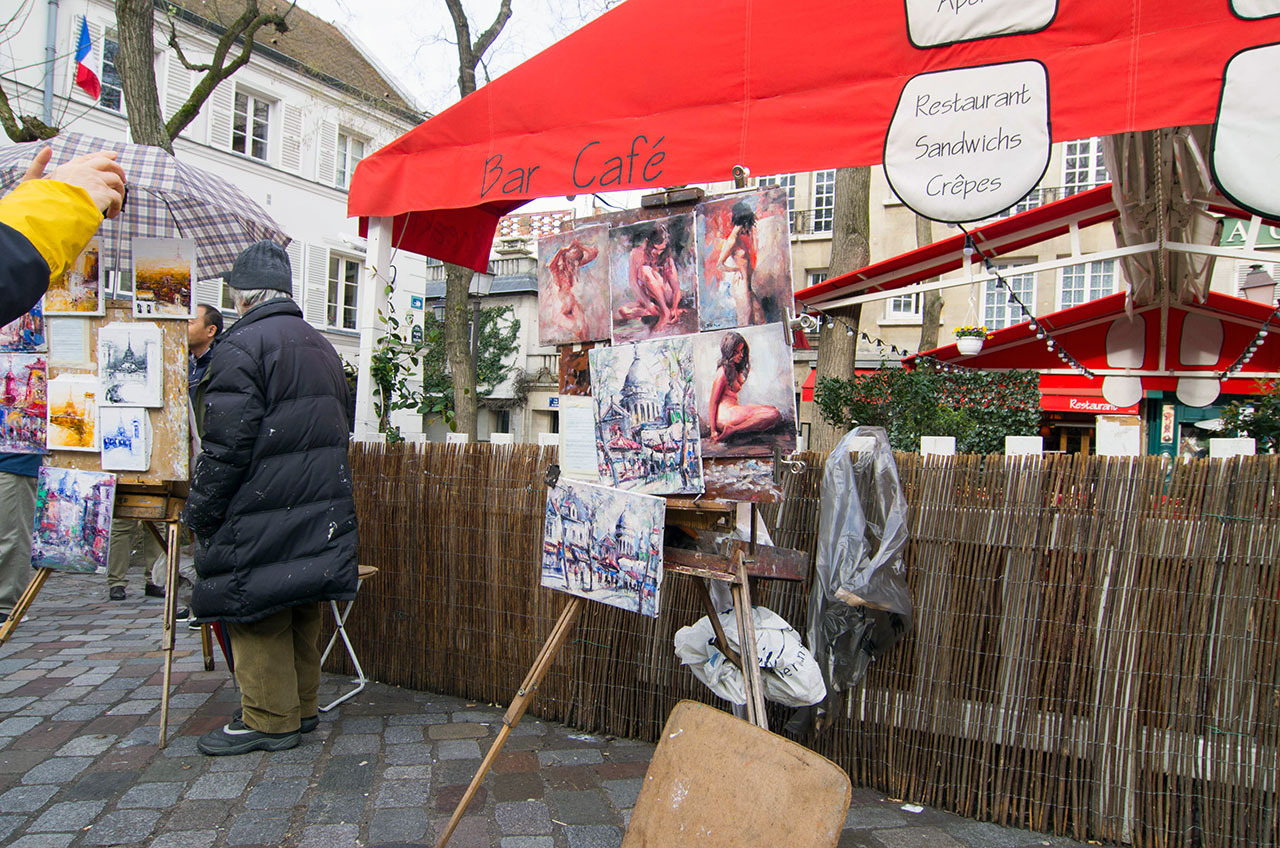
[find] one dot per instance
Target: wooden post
(170, 614)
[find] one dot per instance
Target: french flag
(85, 77)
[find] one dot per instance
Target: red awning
(664, 92)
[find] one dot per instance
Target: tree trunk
(850, 250)
(931, 311)
(457, 348)
(135, 60)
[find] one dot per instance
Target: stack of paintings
(73, 519)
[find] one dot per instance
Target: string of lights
(880, 344)
(1252, 347)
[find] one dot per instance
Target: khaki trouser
(131, 544)
(17, 515)
(278, 668)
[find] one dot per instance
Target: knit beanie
(264, 265)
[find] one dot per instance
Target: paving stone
(472, 832)
(485, 716)
(575, 757)
(593, 837)
(517, 787)
(26, 799)
(47, 708)
(335, 807)
(407, 825)
(153, 795)
(402, 735)
(527, 842)
(181, 746)
(360, 743)
(286, 772)
(86, 746)
(240, 762)
(458, 749)
(859, 839)
(43, 840)
(276, 794)
(68, 816)
(8, 824)
(185, 839)
(61, 770)
(403, 793)
(18, 726)
(530, 728)
(221, 786)
(623, 793)
(987, 835)
(347, 774)
(259, 827)
(84, 712)
(916, 837)
(123, 827)
(409, 755)
(584, 807)
(329, 835)
(416, 719)
(457, 731)
(362, 724)
(406, 773)
(874, 818)
(523, 817)
(304, 753)
(447, 798)
(100, 786)
(198, 815)
(163, 770)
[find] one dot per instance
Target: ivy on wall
(979, 408)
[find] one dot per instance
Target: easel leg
(24, 601)
(722, 641)
(524, 695)
(170, 613)
(747, 639)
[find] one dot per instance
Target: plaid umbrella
(167, 199)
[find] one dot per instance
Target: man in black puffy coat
(271, 504)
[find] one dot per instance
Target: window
(998, 309)
(500, 421)
(350, 152)
(344, 293)
(815, 277)
(1082, 283)
(787, 181)
(112, 96)
(904, 307)
(1082, 166)
(249, 125)
(824, 200)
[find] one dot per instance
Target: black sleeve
(24, 275)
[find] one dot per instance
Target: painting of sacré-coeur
(130, 365)
(746, 391)
(744, 270)
(573, 286)
(654, 278)
(73, 412)
(73, 519)
(604, 544)
(126, 439)
(646, 416)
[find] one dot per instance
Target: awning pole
(373, 303)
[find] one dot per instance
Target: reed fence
(1095, 650)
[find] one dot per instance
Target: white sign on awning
(1245, 159)
(1254, 9)
(933, 23)
(968, 143)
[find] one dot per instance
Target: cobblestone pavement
(80, 688)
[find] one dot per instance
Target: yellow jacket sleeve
(56, 217)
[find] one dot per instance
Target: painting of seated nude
(746, 391)
(573, 286)
(745, 272)
(654, 279)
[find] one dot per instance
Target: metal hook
(796, 466)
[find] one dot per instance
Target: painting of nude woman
(746, 391)
(653, 277)
(573, 286)
(744, 273)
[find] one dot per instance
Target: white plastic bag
(790, 674)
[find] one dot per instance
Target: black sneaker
(116, 593)
(236, 738)
(308, 724)
(182, 614)
(151, 590)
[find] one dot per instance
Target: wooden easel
(746, 559)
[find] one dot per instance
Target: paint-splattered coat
(271, 502)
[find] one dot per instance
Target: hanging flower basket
(969, 339)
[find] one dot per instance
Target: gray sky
(413, 39)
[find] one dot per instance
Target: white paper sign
(578, 438)
(966, 144)
(932, 23)
(1244, 160)
(1254, 9)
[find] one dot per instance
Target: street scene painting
(162, 273)
(604, 545)
(130, 365)
(79, 291)
(653, 276)
(744, 247)
(126, 439)
(73, 413)
(23, 404)
(573, 286)
(73, 519)
(25, 334)
(746, 391)
(646, 416)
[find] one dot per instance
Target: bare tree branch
(486, 38)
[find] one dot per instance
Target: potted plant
(969, 339)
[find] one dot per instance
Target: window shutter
(291, 138)
(295, 268)
(221, 104)
(317, 282)
(177, 86)
(326, 155)
(210, 292)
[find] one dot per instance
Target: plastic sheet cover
(860, 606)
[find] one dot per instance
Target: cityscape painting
(646, 416)
(653, 277)
(23, 402)
(746, 391)
(130, 365)
(73, 413)
(604, 545)
(73, 519)
(25, 334)
(573, 286)
(79, 291)
(126, 439)
(744, 246)
(163, 270)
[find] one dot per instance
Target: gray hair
(245, 299)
